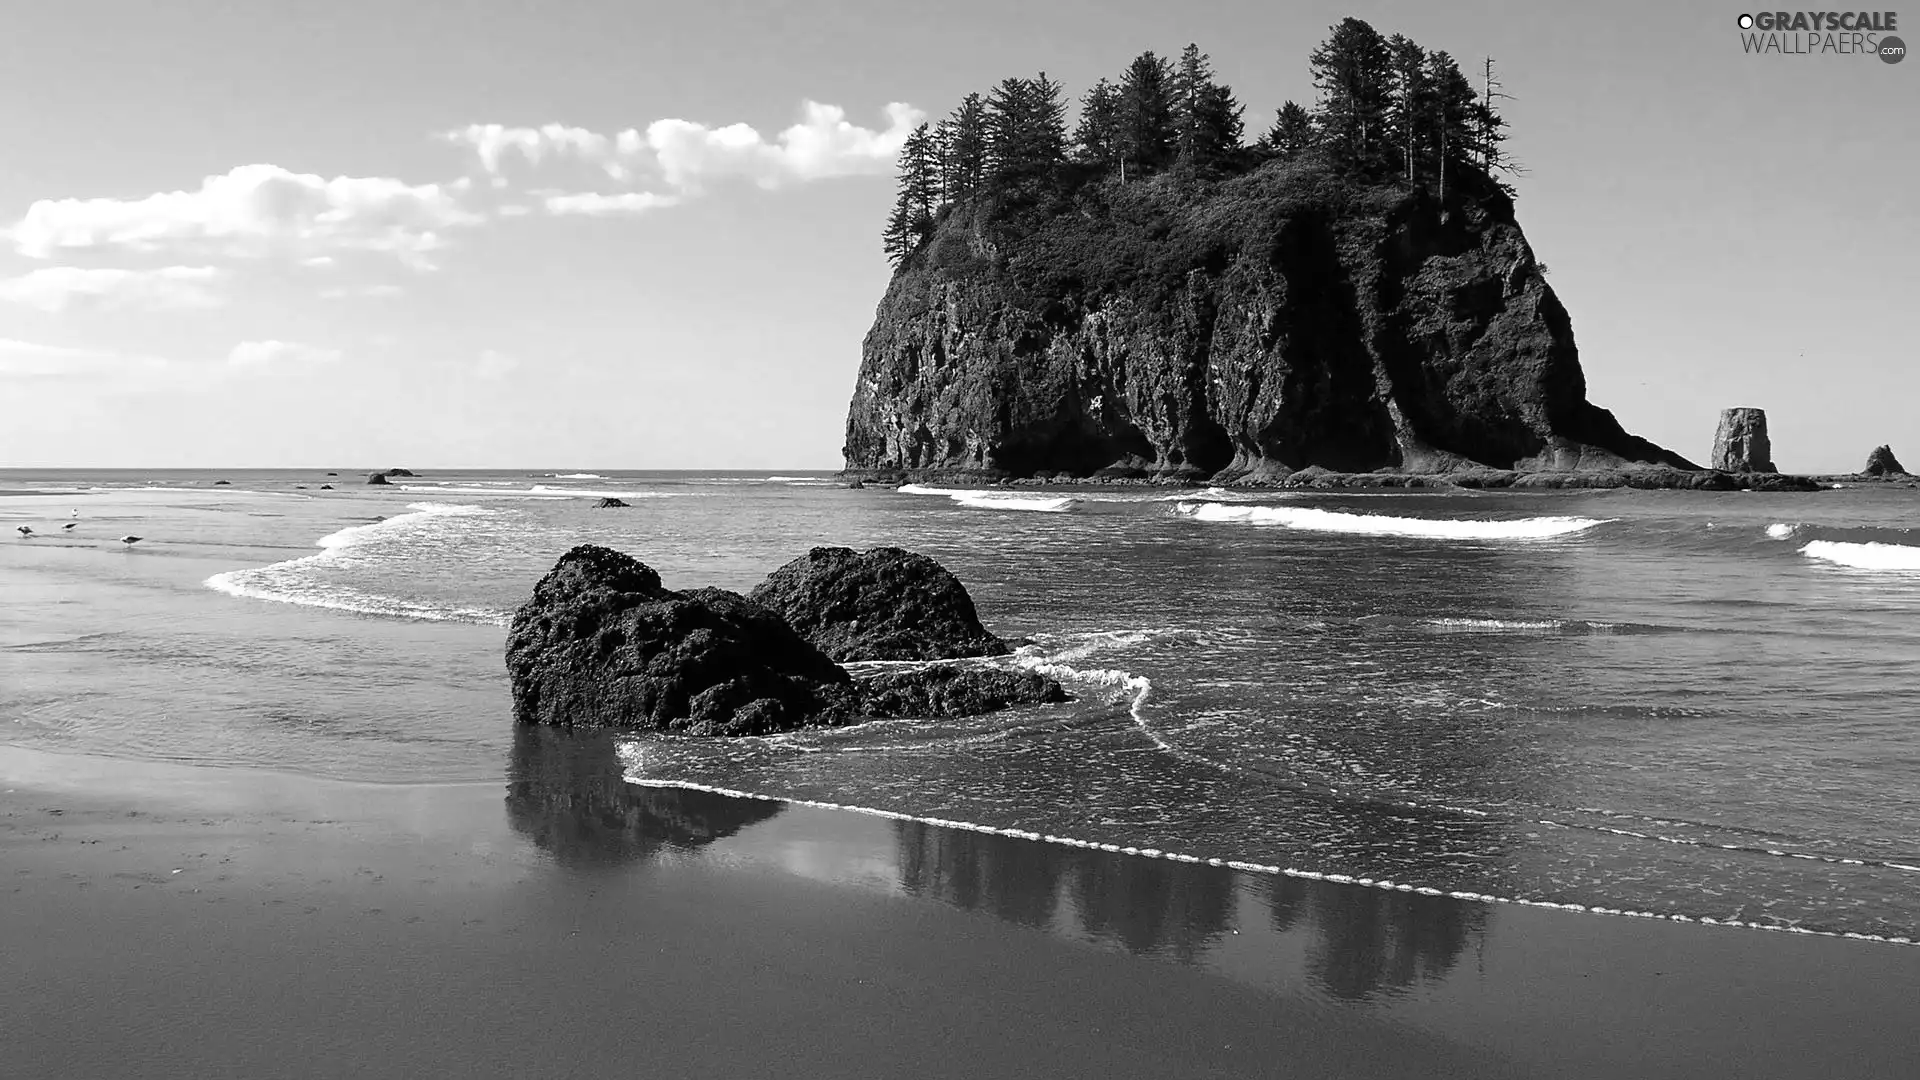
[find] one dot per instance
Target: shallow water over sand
(1685, 705)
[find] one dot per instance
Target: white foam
(630, 754)
(980, 500)
(578, 476)
(1780, 531)
(1864, 556)
(1308, 519)
(1496, 624)
(290, 583)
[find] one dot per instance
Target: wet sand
(174, 921)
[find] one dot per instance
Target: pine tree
(1351, 69)
(1096, 139)
(1292, 131)
(1207, 119)
(964, 153)
(919, 184)
(1411, 103)
(1026, 133)
(1490, 130)
(1146, 116)
(1450, 119)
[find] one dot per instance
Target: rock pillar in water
(1741, 446)
(1882, 463)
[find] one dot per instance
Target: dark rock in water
(609, 503)
(602, 643)
(326, 487)
(377, 478)
(1286, 318)
(857, 485)
(1740, 445)
(222, 483)
(883, 604)
(567, 793)
(1882, 463)
(950, 690)
(401, 472)
(333, 474)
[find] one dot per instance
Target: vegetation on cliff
(1389, 110)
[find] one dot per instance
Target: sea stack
(1741, 446)
(1882, 463)
(1287, 317)
(377, 478)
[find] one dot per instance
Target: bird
(71, 525)
(26, 530)
(129, 540)
(76, 512)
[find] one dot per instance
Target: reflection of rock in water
(1144, 905)
(1371, 941)
(566, 793)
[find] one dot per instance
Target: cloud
(278, 353)
(494, 143)
(252, 210)
(684, 155)
(27, 359)
(348, 292)
(822, 146)
(495, 365)
(56, 288)
(588, 202)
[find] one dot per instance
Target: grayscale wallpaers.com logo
(1834, 33)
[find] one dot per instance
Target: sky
(646, 235)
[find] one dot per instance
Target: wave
(1781, 531)
(293, 581)
(1308, 519)
(543, 491)
(1470, 625)
(1869, 556)
(996, 500)
(576, 476)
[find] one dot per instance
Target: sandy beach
(177, 921)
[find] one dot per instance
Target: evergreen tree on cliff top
(1353, 72)
(1146, 130)
(964, 150)
(919, 196)
(1026, 133)
(1096, 140)
(1291, 133)
(1207, 119)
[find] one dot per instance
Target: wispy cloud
(278, 354)
(57, 288)
(29, 359)
(252, 210)
(348, 292)
(685, 156)
(593, 203)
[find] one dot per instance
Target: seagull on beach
(26, 530)
(129, 540)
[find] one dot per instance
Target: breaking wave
(302, 581)
(1870, 556)
(1308, 519)
(997, 500)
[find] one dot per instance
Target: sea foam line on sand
(1867, 556)
(268, 582)
(629, 753)
(1310, 519)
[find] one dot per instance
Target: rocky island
(1149, 299)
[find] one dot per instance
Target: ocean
(1684, 705)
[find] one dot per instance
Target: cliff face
(1285, 319)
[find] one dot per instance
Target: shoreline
(220, 921)
(1436, 483)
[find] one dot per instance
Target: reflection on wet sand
(1363, 942)
(566, 794)
(1374, 941)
